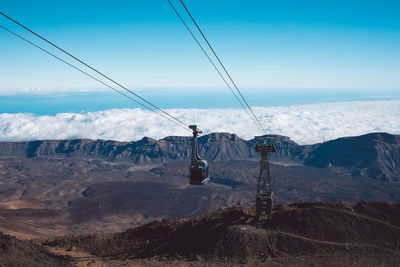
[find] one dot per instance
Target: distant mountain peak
(375, 155)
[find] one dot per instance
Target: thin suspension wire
(87, 74)
(95, 70)
(209, 59)
(227, 73)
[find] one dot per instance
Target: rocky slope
(14, 252)
(375, 155)
(48, 196)
(303, 232)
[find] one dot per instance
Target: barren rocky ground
(60, 196)
(300, 234)
(113, 203)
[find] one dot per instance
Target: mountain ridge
(374, 155)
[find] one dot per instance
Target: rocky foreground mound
(337, 233)
(14, 252)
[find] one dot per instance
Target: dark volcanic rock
(287, 150)
(156, 200)
(215, 146)
(374, 155)
(14, 252)
(234, 235)
(224, 146)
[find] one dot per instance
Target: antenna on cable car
(264, 193)
(198, 167)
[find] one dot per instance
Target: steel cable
(209, 59)
(227, 73)
(95, 70)
(91, 76)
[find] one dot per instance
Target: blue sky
(265, 44)
(312, 70)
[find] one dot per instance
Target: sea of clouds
(305, 124)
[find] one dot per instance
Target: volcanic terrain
(55, 187)
(301, 234)
(107, 203)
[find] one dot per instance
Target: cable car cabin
(199, 175)
(198, 168)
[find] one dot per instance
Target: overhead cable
(95, 70)
(212, 62)
(91, 76)
(225, 70)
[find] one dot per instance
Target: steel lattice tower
(264, 193)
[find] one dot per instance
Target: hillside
(375, 155)
(52, 188)
(302, 233)
(14, 252)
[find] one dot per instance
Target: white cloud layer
(305, 124)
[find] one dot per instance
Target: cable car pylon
(264, 195)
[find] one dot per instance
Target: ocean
(83, 102)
